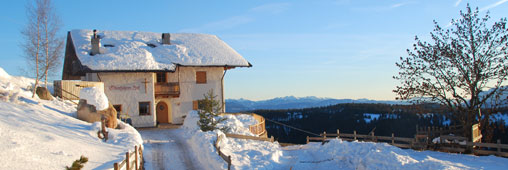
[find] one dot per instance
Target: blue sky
(325, 48)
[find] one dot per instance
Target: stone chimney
(96, 43)
(165, 38)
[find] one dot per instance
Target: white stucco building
(152, 77)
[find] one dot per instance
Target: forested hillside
(385, 118)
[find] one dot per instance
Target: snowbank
(336, 154)
(95, 97)
(39, 134)
(3, 73)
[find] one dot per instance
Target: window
(200, 77)
(118, 108)
(197, 104)
(144, 108)
(161, 77)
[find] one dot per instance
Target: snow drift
(39, 134)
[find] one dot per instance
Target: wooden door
(162, 112)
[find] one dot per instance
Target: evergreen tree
(208, 110)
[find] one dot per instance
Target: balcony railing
(167, 89)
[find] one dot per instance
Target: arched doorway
(162, 112)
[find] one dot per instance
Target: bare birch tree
(42, 46)
(464, 67)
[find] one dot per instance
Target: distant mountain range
(291, 102)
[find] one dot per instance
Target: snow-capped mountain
(291, 102)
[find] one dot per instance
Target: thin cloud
(493, 5)
(274, 8)
(227, 23)
(397, 5)
(382, 8)
(457, 3)
(247, 17)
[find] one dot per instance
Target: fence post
(128, 162)
(324, 136)
(338, 134)
(499, 147)
(307, 139)
(354, 134)
(115, 165)
(373, 138)
(229, 162)
(136, 154)
(393, 138)
(141, 155)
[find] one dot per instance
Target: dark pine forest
(384, 119)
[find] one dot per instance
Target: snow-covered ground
(40, 134)
(336, 154)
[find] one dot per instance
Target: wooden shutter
(201, 77)
(195, 105)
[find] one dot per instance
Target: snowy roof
(133, 50)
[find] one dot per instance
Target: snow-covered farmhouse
(152, 77)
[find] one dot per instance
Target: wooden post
(229, 162)
(354, 134)
(373, 138)
(499, 147)
(136, 159)
(338, 134)
(115, 165)
(141, 155)
(128, 162)
(393, 138)
(324, 136)
(307, 139)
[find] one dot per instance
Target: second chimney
(165, 38)
(96, 43)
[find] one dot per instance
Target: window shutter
(195, 105)
(201, 77)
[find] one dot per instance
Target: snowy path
(165, 150)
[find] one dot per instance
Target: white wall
(128, 90)
(190, 91)
(134, 91)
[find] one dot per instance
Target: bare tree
(464, 67)
(42, 46)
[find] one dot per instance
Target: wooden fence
(69, 89)
(129, 162)
(221, 154)
(400, 142)
(271, 139)
(259, 128)
(447, 143)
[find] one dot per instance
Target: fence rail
(447, 143)
(271, 139)
(258, 129)
(129, 162)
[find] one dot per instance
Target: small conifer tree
(208, 110)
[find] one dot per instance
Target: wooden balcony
(165, 90)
